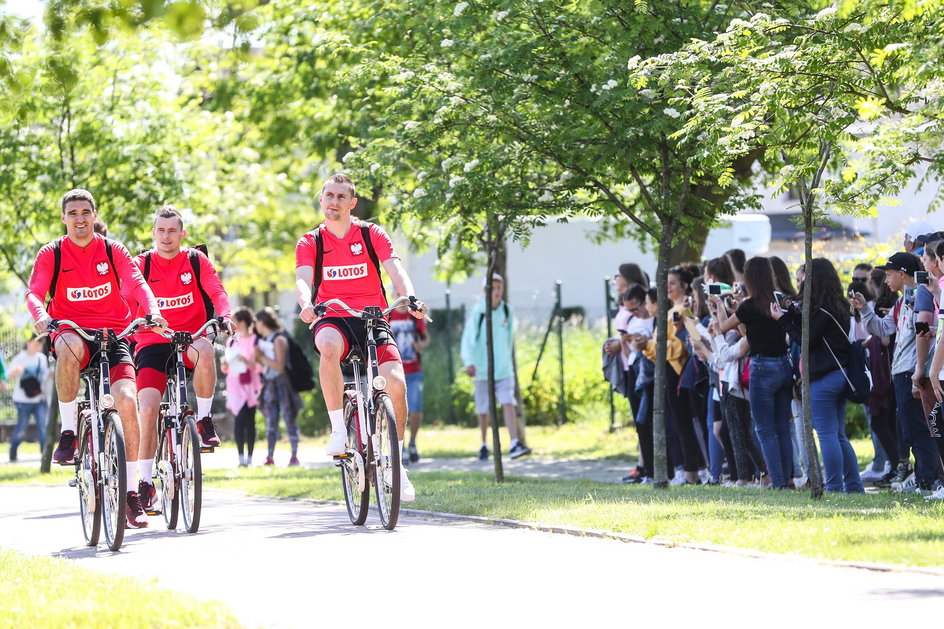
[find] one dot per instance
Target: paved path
(285, 563)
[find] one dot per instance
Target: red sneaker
(269, 461)
(293, 462)
(137, 518)
(146, 495)
(65, 452)
(208, 432)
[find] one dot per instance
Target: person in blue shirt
(475, 359)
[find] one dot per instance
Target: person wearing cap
(475, 358)
(912, 231)
(912, 426)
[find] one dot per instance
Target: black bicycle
(100, 471)
(371, 457)
(178, 472)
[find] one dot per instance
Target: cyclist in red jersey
(179, 289)
(348, 274)
(87, 289)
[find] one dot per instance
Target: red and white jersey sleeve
(347, 272)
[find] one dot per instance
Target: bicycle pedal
(341, 457)
(73, 482)
(152, 511)
(66, 463)
(207, 449)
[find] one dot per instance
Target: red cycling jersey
(178, 294)
(347, 272)
(87, 288)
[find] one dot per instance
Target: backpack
(478, 326)
(195, 265)
(57, 265)
(857, 374)
(319, 260)
(297, 366)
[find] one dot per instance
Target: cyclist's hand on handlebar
(42, 325)
(157, 322)
(308, 314)
(418, 309)
(229, 326)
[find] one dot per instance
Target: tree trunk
(816, 479)
(659, 466)
(491, 251)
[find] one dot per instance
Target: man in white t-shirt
(30, 368)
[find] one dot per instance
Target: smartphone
(676, 317)
(851, 294)
(921, 277)
(714, 289)
(779, 297)
(922, 327)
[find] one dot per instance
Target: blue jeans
(715, 449)
(770, 390)
(828, 405)
(23, 412)
(414, 391)
(913, 428)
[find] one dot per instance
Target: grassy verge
(892, 528)
(49, 592)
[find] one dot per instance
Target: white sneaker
(337, 444)
(870, 475)
(678, 479)
(407, 491)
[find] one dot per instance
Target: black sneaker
(886, 480)
(414, 455)
(65, 453)
(519, 450)
(483, 453)
(146, 495)
(633, 477)
(208, 432)
(904, 478)
(137, 518)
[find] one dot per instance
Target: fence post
(560, 347)
(609, 334)
(452, 375)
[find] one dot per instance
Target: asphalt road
(285, 563)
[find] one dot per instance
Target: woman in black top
(771, 373)
(829, 350)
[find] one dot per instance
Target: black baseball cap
(926, 238)
(901, 261)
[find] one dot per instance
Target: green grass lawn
(53, 592)
(886, 527)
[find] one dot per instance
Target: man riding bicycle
(84, 275)
(182, 279)
(347, 253)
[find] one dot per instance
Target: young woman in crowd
(829, 352)
(771, 373)
(243, 383)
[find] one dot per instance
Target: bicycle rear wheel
(387, 467)
(353, 473)
(90, 503)
(191, 475)
(165, 483)
(114, 482)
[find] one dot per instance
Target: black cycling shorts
(354, 332)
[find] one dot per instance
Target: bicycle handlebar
(322, 308)
(54, 325)
(216, 322)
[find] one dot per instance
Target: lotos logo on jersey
(89, 293)
(170, 303)
(349, 272)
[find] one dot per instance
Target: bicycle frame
(364, 400)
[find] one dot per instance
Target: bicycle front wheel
(353, 472)
(86, 477)
(191, 475)
(114, 482)
(165, 482)
(387, 462)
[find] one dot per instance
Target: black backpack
(297, 366)
(195, 265)
(319, 260)
(479, 326)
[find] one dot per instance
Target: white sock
(337, 420)
(132, 469)
(203, 406)
(145, 467)
(514, 442)
(67, 413)
(400, 446)
(484, 445)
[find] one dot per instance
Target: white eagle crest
(357, 248)
(186, 278)
(102, 268)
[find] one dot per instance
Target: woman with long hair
(829, 353)
(278, 395)
(771, 373)
(243, 383)
(782, 278)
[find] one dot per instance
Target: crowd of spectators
(732, 392)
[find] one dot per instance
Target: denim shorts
(414, 391)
